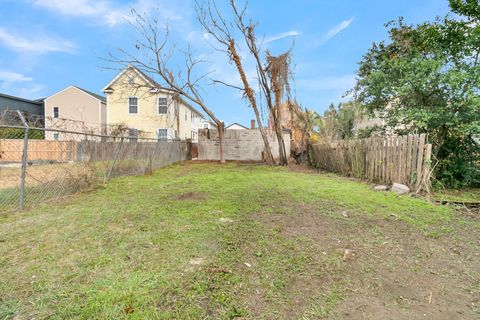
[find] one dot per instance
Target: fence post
(117, 151)
(153, 155)
(24, 162)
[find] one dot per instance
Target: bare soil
(393, 271)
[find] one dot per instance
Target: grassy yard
(206, 241)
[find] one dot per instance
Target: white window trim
(53, 111)
(158, 136)
(128, 106)
(158, 106)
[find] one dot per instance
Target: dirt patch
(301, 168)
(192, 196)
(396, 273)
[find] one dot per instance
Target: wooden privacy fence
(403, 159)
(11, 150)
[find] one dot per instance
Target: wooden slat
(413, 168)
(382, 160)
(419, 171)
(426, 169)
(408, 159)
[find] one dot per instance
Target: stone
(348, 254)
(380, 188)
(399, 188)
(225, 220)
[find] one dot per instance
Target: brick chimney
(252, 124)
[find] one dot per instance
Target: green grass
(465, 195)
(126, 250)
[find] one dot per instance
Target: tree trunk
(221, 136)
(281, 146)
(251, 97)
(277, 121)
(264, 136)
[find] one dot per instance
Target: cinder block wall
(244, 145)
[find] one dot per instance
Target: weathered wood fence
(402, 159)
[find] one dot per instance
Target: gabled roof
(151, 82)
(236, 123)
(93, 95)
(147, 79)
(99, 97)
(21, 99)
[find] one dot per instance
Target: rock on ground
(400, 188)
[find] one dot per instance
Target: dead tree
(153, 56)
(278, 71)
(222, 31)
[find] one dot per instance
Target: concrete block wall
(243, 145)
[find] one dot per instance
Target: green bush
(18, 133)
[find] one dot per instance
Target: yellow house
(136, 101)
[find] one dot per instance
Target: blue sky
(46, 45)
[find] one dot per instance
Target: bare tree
(215, 24)
(153, 56)
(278, 71)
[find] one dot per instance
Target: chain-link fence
(38, 164)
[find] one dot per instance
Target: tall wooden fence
(403, 159)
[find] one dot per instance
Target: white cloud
(280, 36)
(34, 42)
(18, 84)
(6, 76)
(335, 30)
(108, 12)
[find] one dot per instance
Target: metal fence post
(117, 151)
(24, 162)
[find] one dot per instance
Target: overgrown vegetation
(224, 241)
(336, 123)
(18, 133)
(426, 79)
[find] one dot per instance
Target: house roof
(236, 123)
(151, 82)
(94, 95)
(99, 97)
(37, 102)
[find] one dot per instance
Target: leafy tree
(337, 122)
(426, 79)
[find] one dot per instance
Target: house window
(192, 118)
(133, 105)
(162, 105)
(205, 125)
(133, 134)
(162, 134)
(56, 136)
(55, 112)
(186, 115)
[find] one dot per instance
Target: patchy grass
(221, 242)
(464, 195)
